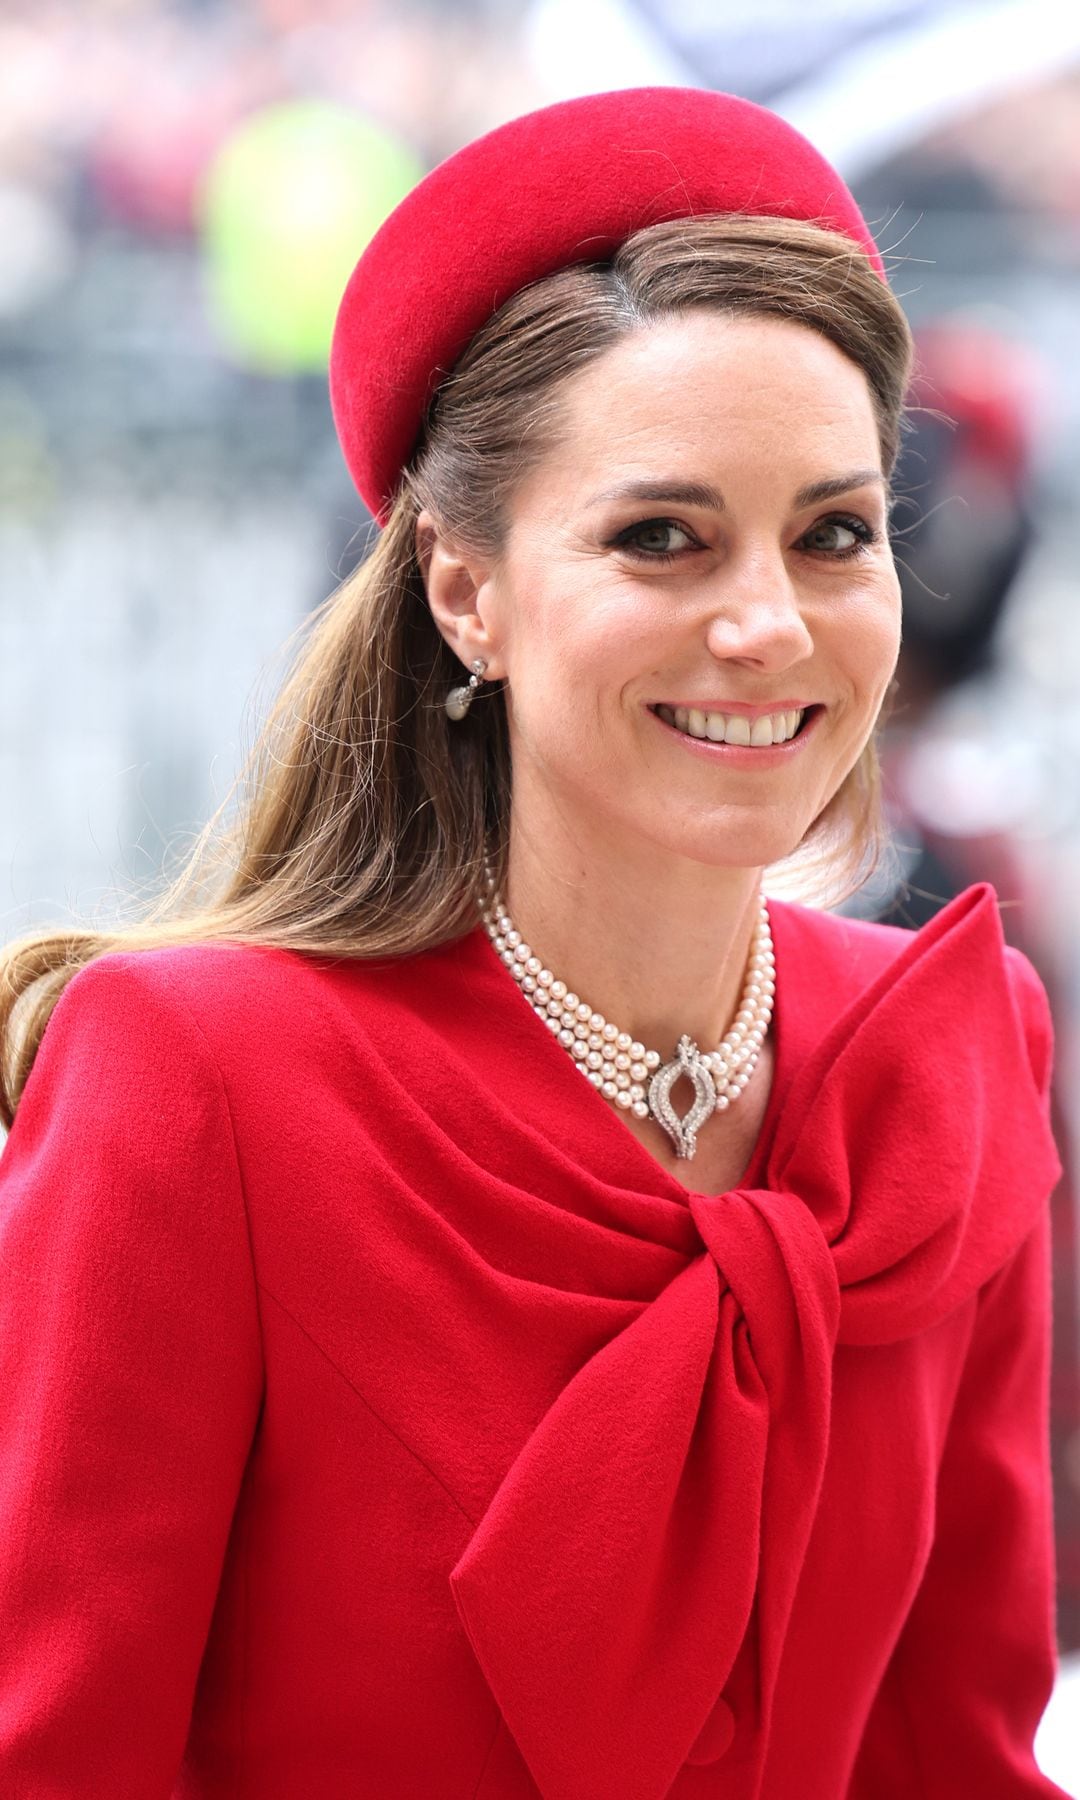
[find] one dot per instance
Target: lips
(763, 729)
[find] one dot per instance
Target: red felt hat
(568, 183)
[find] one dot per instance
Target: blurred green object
(291, 199)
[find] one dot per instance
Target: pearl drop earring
(459, 699)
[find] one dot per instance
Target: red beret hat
(568, 183)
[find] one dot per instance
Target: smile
(734, 728)
(770, 738)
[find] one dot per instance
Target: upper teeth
(733, 728)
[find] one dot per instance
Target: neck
(658, 944)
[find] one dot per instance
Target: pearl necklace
(616, 1064)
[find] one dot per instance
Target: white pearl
(613, 1061)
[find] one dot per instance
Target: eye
(635, 540)
(863, 534)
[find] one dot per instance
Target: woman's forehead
(686, 398)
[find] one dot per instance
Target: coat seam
(360, 1395)
(223, 1085)
(255, 1286)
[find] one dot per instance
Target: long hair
(363, 815)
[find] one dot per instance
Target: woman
(388, 1410)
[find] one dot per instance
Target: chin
(739, 844)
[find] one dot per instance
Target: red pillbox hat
(568, 183)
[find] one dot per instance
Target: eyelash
(864, 533)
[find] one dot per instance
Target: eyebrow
(698, 493)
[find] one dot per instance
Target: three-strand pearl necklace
(620, 1067)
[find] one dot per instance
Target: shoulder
(1033, 1009)
(171, 1014)
(139, 987)
(840, 955)
(958, 962)
(243, 1009)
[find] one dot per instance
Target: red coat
(378, 1421)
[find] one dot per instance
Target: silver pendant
(688, 1061)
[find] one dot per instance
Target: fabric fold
(635, 1570)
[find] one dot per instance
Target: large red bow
(683, 1461)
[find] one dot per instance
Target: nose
(757, 617)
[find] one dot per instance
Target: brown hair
(364, 813)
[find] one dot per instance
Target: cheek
(576, 642)
(868, 643)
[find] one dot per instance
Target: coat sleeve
(130, 1387)
(970, 1676)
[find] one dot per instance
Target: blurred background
(184, 188)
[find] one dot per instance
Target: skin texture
(635, 864)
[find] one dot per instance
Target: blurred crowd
(184, 185)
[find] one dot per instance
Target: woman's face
(666, 555)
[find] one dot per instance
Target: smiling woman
(747, 608)
(376, 1390)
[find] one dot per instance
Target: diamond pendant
(688, 1061)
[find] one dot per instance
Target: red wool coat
(378, 1421)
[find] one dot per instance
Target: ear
(459, 592)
